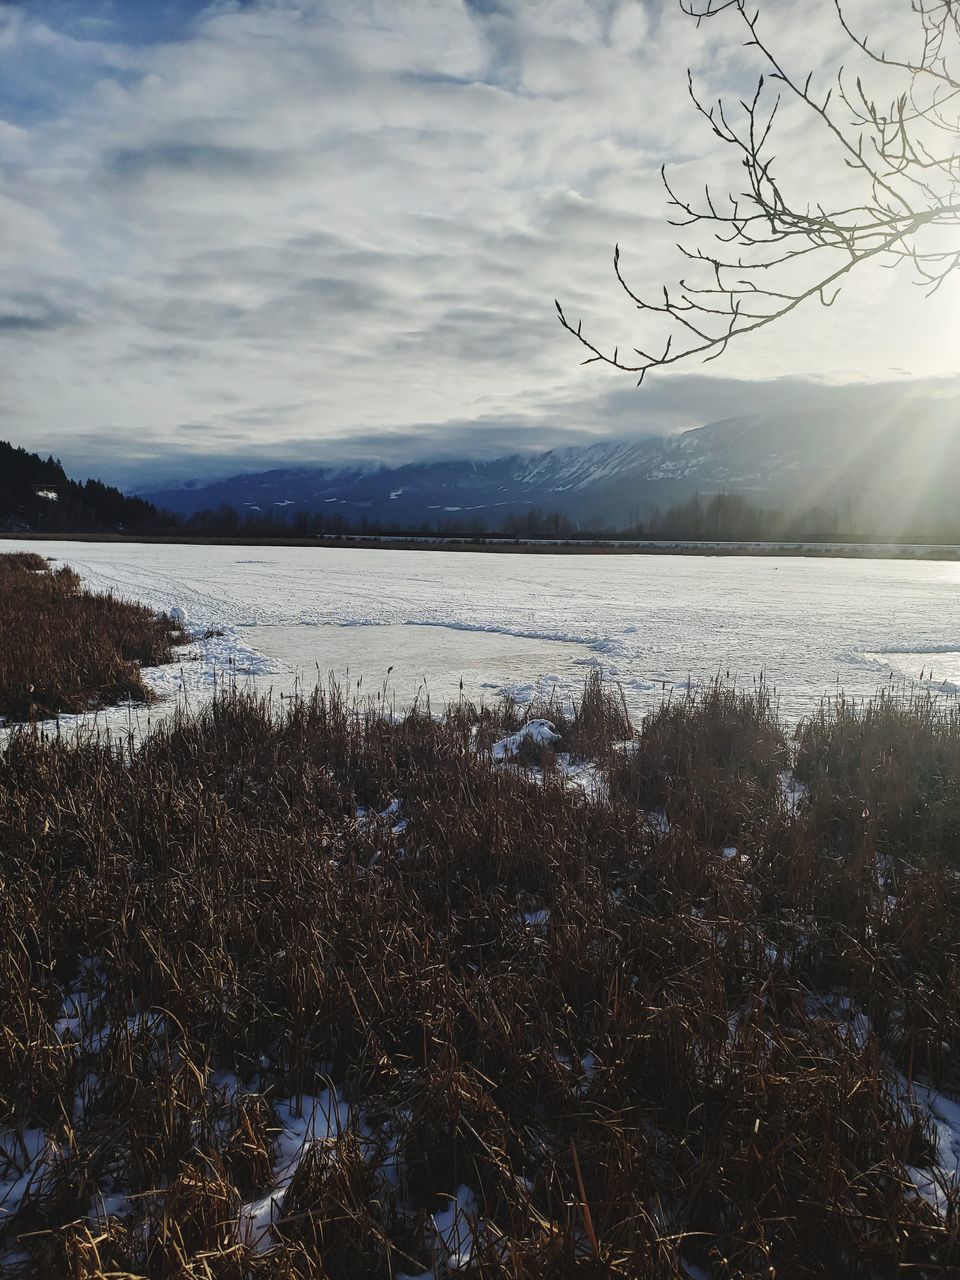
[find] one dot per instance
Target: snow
(534, 919)
(585, 775)
(454, 1229)
(654, 622)
(452, 1233)
(365, 818)
(853, 1025)
(694, 1272)
(658, 822)
(576, 467)
(944, 1115)
(27, 1153)
(23, 1156)
(304, 1122)
(588, 1067)
(539, 732)
(792, 791)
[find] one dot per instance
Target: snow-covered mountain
(797, 462)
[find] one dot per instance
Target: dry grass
(886, 773)
(588, 729)
(65, 649)
(17, 560)
(710, 760)
(632, 1048)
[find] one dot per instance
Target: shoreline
(533, 546)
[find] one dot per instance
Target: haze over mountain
(877, 472)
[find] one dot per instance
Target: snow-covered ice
(523, 624)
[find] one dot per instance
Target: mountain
(565, 479)
(299, 488)
(885, 474)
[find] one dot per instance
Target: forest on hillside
(37, 496)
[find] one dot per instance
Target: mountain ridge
(885, 468)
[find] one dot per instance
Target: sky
(241, 234)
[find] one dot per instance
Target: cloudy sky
(233, 234)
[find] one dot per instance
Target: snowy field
(521, 624)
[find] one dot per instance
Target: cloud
(335, 228)
(205, 161)
(35, 314)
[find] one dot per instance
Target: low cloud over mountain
(884, 469)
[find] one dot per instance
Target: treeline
(36, 495)
(719, 517)
(722, 517)
(729, 517)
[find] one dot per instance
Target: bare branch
(905, 154)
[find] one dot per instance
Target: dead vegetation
(712, 761)
(339, 957)
(63, 649)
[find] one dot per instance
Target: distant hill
(36, 495)
(885, 476)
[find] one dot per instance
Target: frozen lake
(518, 623)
